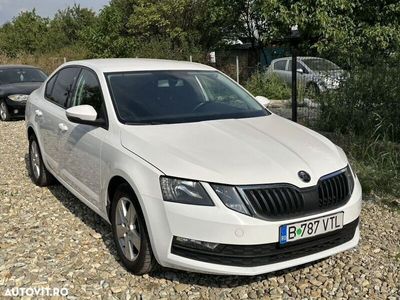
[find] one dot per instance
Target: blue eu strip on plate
(283, 236)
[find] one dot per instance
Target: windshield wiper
(145, 123)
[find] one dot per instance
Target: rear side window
(50, 85)
(62, 86)
(280, 65)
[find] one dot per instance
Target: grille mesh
(333, 190)
(286, 201)
(278, 201)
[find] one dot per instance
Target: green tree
(24, 34)
(181, 28)
(67, 24)
(348, 31)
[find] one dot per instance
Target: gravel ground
(50, 239)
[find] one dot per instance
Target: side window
(63, 86)
(298, 66)
(50, 85)
(280, 65)
(88, 91)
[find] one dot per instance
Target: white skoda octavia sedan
(189, 169)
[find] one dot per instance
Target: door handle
(62, 127)
(38, 113)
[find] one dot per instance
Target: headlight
(184, 191)
(18, 97)
(230, 197)
(330, 82)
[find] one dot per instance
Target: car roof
(16, 66)
(298, 57)
(106, 65)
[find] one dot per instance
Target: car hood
(240, 152)
(19, 88)
(334, 74)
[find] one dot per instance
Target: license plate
(309, 228)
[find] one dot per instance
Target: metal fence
(360, 98)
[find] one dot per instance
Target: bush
(376, 162)
(268, 85)
(367, 103)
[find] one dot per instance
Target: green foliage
(366, 104)
(108, 36)
(131, 27)
(376, 162)
(24, 34)
(349, 31)
(366, 109)
(268, 85)
(69, 23)
(31, 34)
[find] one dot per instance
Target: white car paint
(82, 112)
(259, 150)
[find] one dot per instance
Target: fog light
(15, 111)
(196, 244)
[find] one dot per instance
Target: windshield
(179, 96)
(16, 75)
(319, 64)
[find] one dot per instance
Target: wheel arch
(30, 131)
(313, 84)
(112, 186)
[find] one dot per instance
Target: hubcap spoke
(2, 111)
(135, 239)
(35, 160)
(131, 215)
(122, 212)
(128, 249)
(127, 229)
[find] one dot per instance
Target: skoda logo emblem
(304, 176)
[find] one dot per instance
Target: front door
(82, 163)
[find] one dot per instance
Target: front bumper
(16, 108)
(221, 225)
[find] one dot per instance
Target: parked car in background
(16, 83)
(317, 74)
(189, 169)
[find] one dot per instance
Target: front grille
(264, 254)
(333, 190)
(283, 201)
(276, 201)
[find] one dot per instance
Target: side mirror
(82, 114)
(299, 70)
(263, 100)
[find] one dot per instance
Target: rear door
(82, 144)
(280, 70)
(51, 115)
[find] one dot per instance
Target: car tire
(38, 171)
(4, 112)
(130, 232)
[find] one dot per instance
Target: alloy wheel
(35, 159)
(3, 111)
(128, 229)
